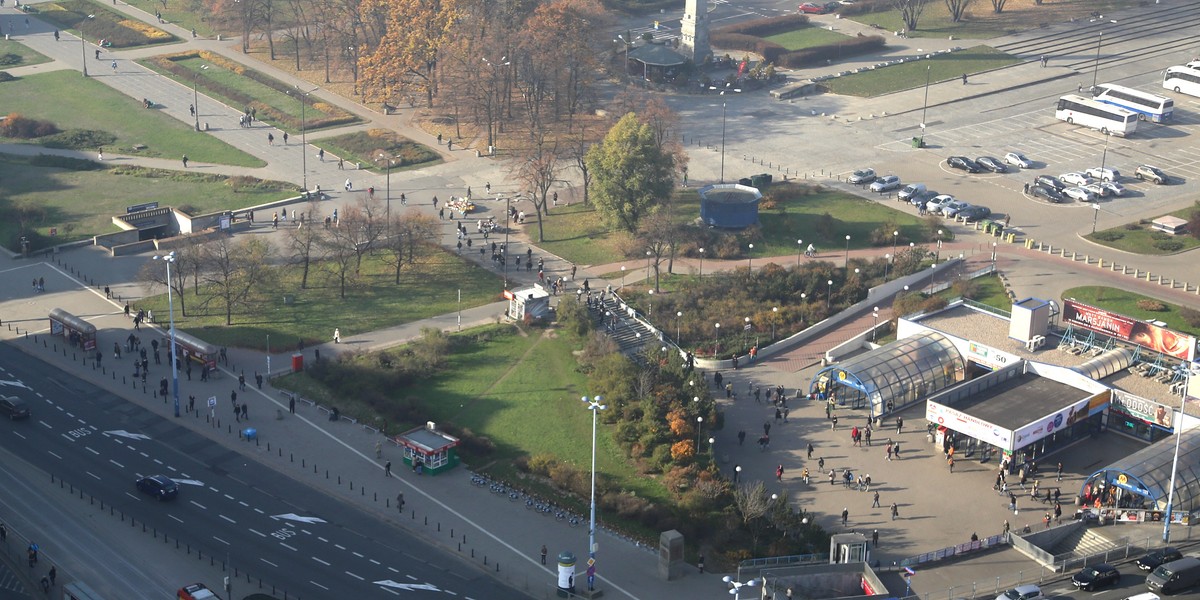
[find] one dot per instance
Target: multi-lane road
(259, 521)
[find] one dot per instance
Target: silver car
(885, 183)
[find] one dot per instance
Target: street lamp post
(745, 331)
(648, 266)
(938, 255)
(774, 317)
(875, 330)
(717, 340)
(803, 304)
(799, 249)
(750, 259)
(702, 262)
(678, 316)
(650, 302)
(622, 276)
(735, 587)
(887, 258)
(168, 259)
(388, 189)
(895, 238)
(829, 294)
(722, 140)
(699, 425)
(925, 104)
(993, 256)
(303, 136)
(507, 226)
(595, 406)
(1175, 461)
(1095, 215)
(83, 44)
(847, 265)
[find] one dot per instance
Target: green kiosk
(428, 450)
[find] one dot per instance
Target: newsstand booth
(531, 303)
(428, 450)
(77, 331)
(192, 348)
(1022, 411)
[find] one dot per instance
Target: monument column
(693, 38)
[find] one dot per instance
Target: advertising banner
(1060, 420)
(966, 424)
(1147, 410)
(1153, 337)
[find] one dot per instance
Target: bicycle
(574, 521)
(479, 480)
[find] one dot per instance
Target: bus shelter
(77, 331)
(195, 349)
(427, 449)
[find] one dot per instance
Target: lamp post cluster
(169, 259)
(595, 405)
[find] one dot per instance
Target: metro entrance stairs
(615, 319)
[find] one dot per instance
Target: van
(1174, 576)
(909, 191)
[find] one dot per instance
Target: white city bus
(1183, 80)
(1097, 115)
(1147, 106)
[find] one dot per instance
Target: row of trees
(233, 274)
(911, 10)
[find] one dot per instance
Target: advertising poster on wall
(1147, 335)
(965, 424)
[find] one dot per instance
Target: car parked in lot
(1153, 174)
(1017, 159)
(1163, 555)
(158, 486)
(1096, 189)
(1095, 577)
(991, 163)
(810, 8)
(953, 207)
(1080, 194)
(1112, 188)
(862, 176)
(963, 163)
(936, 203)
(885, 183)
(975, 213)
(922, 198)
(1075, 179)
(909, 191)
(1049, 193)
(14, 408)
(1050, 181)
(1103, 174)
(1022, 592)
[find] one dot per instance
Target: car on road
(937, 202)
(975, 212)
(1095, 577)
(1017, 159)
(1112, 188)
(885, 183)
(862, 176)
(1074, 179)
(991, 163)
(963, 163)
(1153, 174)
(953, 207)
(1152, 559)
(909, 191)
(1049, 193)
(196, 591)
(1022, 592)
(1080, 194)
(158, 486)
(1103, 174)
(810, 8)
(1050, 181)
(14, 408)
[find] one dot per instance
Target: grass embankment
(1140, 238)
(806, 37)
(909, 75)
(15, 54)
(981, 22)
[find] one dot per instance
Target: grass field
(1142, 239)
(1125, 302)
(183, 14)
(982, 23)
(806, 37)
(85, 104)
(912, 74)
(376, 302)
(366, 147)
(81, 204)
(989, 291)
(15, 54)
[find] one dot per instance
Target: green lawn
(1125, 302)
(426, 290)
(912, 74)
(81, 204)
(187, 14)
(807, 37)
(15, 54)
(85, 104)
(1142, 239)
(989, 290)
(365, 148)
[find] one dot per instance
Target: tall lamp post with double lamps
(170, 258)
(735, 586)
(83, 44)
(594, 405)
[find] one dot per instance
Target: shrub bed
(748, 36)
(366, 146)
(115, 29)
(24, 128)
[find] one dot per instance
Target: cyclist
(810, 251)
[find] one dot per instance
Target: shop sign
(988, 355)
(1047, 425)
(1146, 410)
(1147, 335)
(967, 425)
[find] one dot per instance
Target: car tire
(1070, 120)
(1104, 130)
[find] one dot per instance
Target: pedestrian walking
(337, 336)
(185, 161)
(833, 422)
(387, 469)
(1060, 471)
(114, 63)
(810, 450)
(400, 502)
(875, 537)
(544, 551)
(349, 185)
(246, 411)
(950, 461)
(700, 562)
(899, 425)
(378, 449)
(875, 501)
(258, 379)
(285, 138)
(845, 516)
(242, 381)
(779, 473)
(270, 139)
(292, 405)
(741, 436)
(964, 78)
(53, 574)
(100, 153)
(1045, 60)
(895, 511)
(889, 451)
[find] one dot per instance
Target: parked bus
(1147, 106)
(1183, 80)
(1097, 115)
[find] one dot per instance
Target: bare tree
(752, 503)
(998, 6)
(234, 270)
(154, 274)
(305, 244)
(536, 168)
(345, 244)
(577, 149)
(659, 234)
(957, 9)
(910, 11)
(407, 233)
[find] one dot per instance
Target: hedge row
(765, 26)
(117, 30)
(843, 49)
(770, 51)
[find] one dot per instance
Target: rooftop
(1026, 399)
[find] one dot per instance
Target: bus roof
(1129, 90)
(1109, 107)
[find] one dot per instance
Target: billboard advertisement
(1061, 419)
(966, 424)
(1147, 335)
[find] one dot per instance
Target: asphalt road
(230, 507)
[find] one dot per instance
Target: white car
(1080, 194)
(1096, 189)
(1113, 188)
(953, 207)
(885, 183)
(909, 191)
(1017, 159)
(935, 205)
(862, 176)
(1074, 179)
(1103, 174)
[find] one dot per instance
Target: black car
(964, 163)
(1098, 576)
(159, 486)
(1158, 557)
(1049, 193)
(14, 408)
(1050, 181)
(975, 212)
(994, 165)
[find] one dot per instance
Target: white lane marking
(54, 455)
(259, 511)
(296, 517)
(157, 462)
(374, 562)
(393, 569)
(358, 555)
(243, 504)
(339, 546)
(322, 539)
(175, 517)
(320, 561)
(126, 434)
(222, 541)
(89, 449)
(45, 424)
(132, 496)
(355, 576)
(318, 585)
(172, 469)
(144, 455)
(269, 562)
(228, 519)
(391, 591)
(93, 475)
(229, 497)
(292, 548)
(24, 438)
(198, 504)
(116, 463)
(258, 533)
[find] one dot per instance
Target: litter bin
(250, 433)
(918, 142)
(297, 362)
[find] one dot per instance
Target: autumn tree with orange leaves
(409, 35)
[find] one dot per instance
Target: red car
(812, 9)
